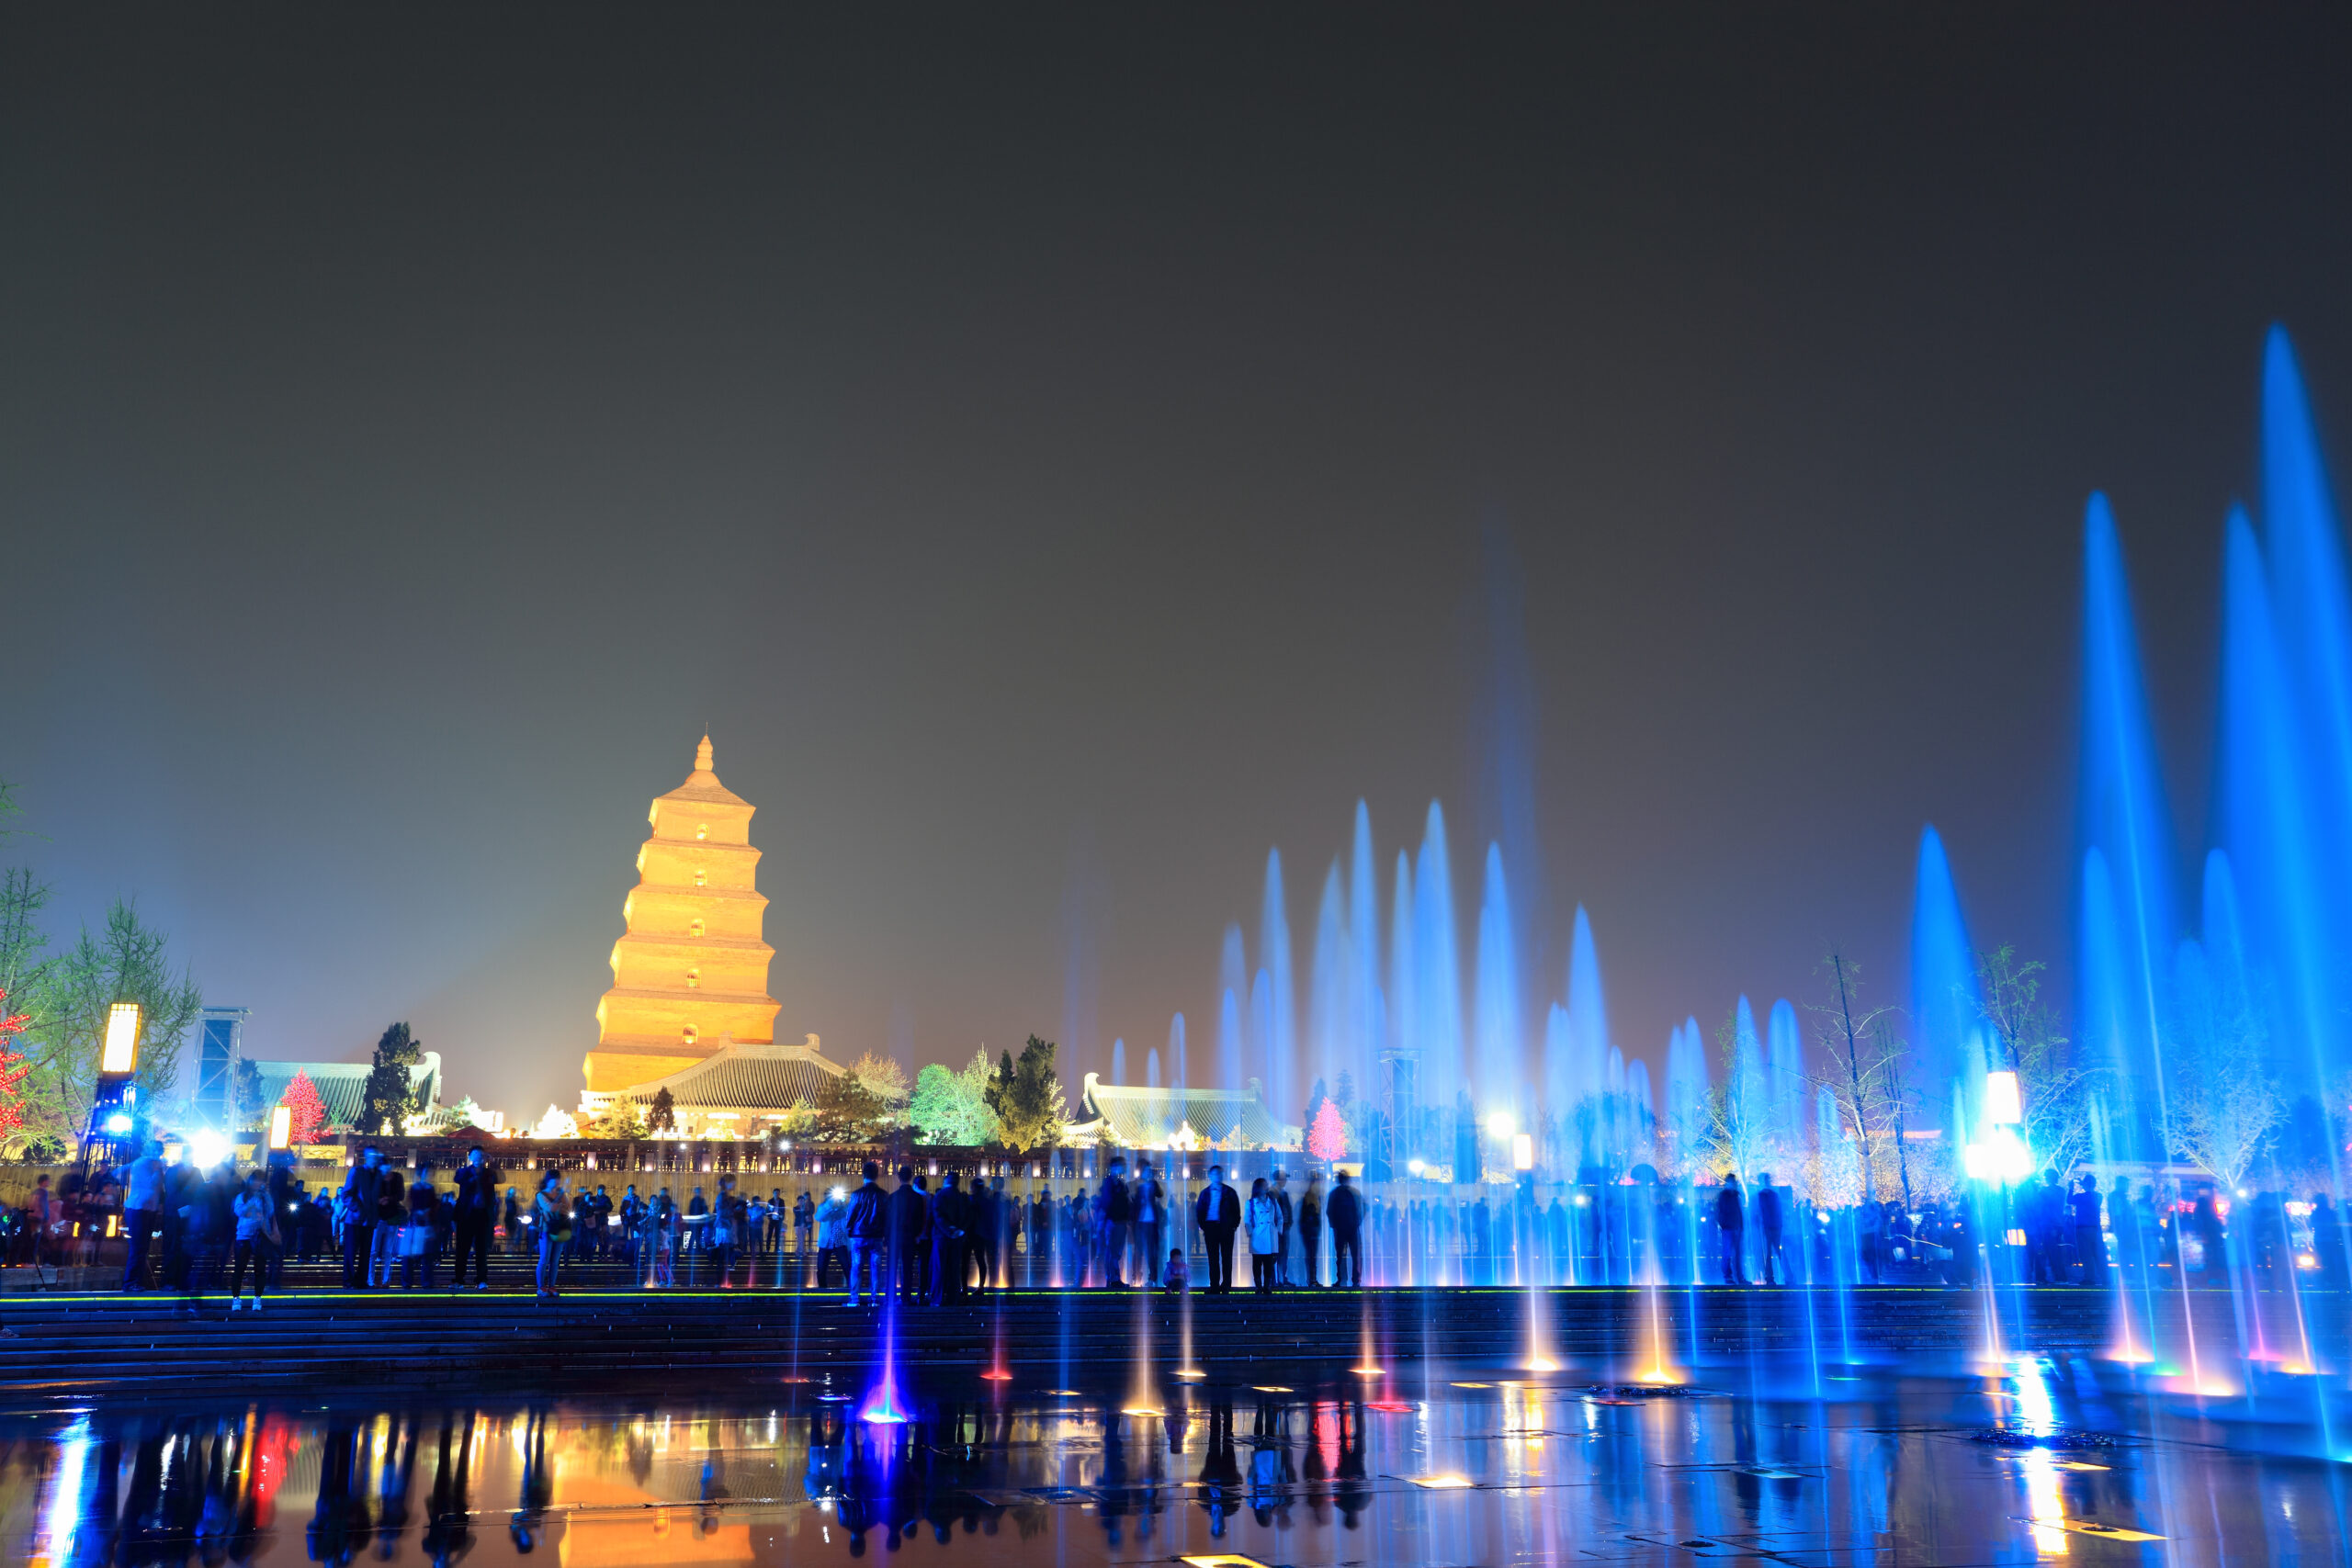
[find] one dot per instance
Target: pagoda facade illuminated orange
(691, 973)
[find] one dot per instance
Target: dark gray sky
(1050, 451)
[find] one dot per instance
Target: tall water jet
(1576, 1060)
(1947, 1010)
(1233, 982)
(2127, 921)
(1364, 944)
(1279, 1049)
(1119, 1061)
(1501, 1048)
(1404, 1037)
(1785, 1072)
(1437, 967)
(1333, 1026)
(2313, 619)
(1180, 1077)
(2273, 824)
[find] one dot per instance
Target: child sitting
(1172, 1277)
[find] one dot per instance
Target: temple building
(690, 975)
(1122, 1116)
(741, 1090)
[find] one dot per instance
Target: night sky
(1059, 455)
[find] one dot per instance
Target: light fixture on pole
(119, 1056)
(1522, 1151)
(281, 1127)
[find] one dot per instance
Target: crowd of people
(914, 1237)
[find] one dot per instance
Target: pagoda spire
(702, 756)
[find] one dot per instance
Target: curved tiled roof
(745, 1078)
(342, 1086)
(1146, 1118)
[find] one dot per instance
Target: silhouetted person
(951, 1216)
(908, 1210)
(1345, 1213)
(475, 1215)
(1218, 1212)
(1768, 1220)
(2090, 1240)
(2328, 1243)
(362, 1193)
(1731, 1230)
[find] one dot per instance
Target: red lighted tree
(309, 1117)
(14, 1067)
(1328, 1139)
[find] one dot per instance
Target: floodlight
(1501, 1125)
(2002, 1106)
(281, 1126)
(118, 1124)
(208, 1148)
(121, 1053)
(1522, 1151)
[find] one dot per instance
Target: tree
(245, 1093)
(307, 1113)
(1026, 1097)
(1741, 1112)
(388, 1096)
(1863, 1073)
(618, 1119)
(68, 998)
(2223, 1106)
(2055, 1092)
(1327, 1140)
(662, 1116)
(850, 1112)
(14, 1067)
(951, 1107)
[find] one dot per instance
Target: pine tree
(663, 1117)
(388, 1095)
(307, 1113)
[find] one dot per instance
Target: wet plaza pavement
(2041, 1459)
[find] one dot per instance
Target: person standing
(551, 1216)
(1731, 1229)
(1310, 1230)
(1217, 1211)
(1279, 1193)
(1768, 1220)
(1264, 1219)
(392, 1224)
(362, 1188)
(142, 1210)
(804, 1226)
(869, 1230)
(1345, 1213)
(910, 1209)
(950, 1221)
(255, 1218)
(477, 1211)
(1150, 1222)
(419, 1247)
(2090, 1237)
(979, 1231)
(1113, 1209)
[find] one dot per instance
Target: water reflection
(1531, 1469)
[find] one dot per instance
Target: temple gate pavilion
(690, 974)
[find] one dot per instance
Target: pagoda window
(701, 876)
(690, 1033)
(693, 979)
(695, 928)
(702, 829)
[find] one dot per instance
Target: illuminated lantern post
(281, 1126)
(114, 1107)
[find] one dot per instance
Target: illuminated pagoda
(690, 975)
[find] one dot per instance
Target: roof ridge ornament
(702, 755)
